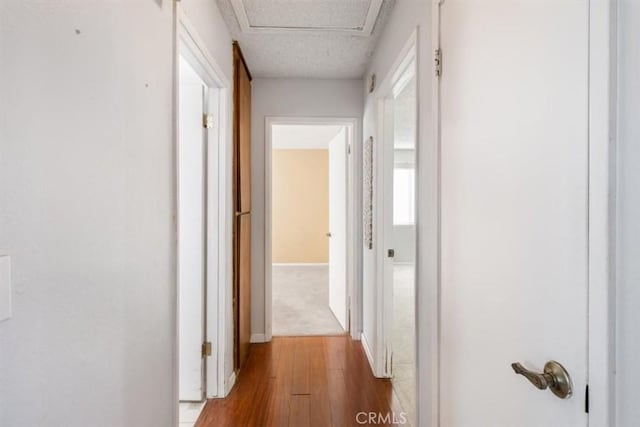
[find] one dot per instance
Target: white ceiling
(303, 137)
(306, 38)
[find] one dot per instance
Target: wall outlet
(5, 287)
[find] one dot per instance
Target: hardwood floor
(305, 381)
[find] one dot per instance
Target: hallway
(304, 381)
(476, 209)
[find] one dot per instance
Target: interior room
(403, 364)
(302, 201)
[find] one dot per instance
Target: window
(403, 196)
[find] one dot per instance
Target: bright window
(404, 196)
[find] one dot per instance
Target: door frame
(354, 226)
(601, 224)
(192, 48)
(403, 69)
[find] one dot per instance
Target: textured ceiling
(307, 14)
(303, 136)
(301, 49)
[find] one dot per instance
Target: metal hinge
(349, 149)
(437, 62)
(207, 121)
(206, 349)
(586, 399)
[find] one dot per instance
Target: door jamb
(601, 218)
(190, 45)
(354, 192)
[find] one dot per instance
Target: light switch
(5, 287)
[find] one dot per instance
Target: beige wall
(300, 203)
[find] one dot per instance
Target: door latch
(391, 253)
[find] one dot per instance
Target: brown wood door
(242, 204)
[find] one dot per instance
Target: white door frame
(354, 226)
(403, 69)
(190, 46)
(601, 224)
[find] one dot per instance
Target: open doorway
(308, 230)
(309, 233)
(398, 105)
(202, 120)
(192, 229)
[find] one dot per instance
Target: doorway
(398, 105)
(192, 229)
(309, 232)
(203, 152)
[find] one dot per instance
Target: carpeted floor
(403, 337)
(301, 301)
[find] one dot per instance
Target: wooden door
(514, 209)
(242, 204)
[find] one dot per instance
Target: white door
(514, 110)
(338, 227)
(191, 233)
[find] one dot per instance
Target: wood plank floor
(305, 381)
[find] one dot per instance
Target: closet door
(242, 203)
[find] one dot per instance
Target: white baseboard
(231, 381)
(257, 338)
(367, 352)
(300, 264)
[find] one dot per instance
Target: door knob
(554, 377)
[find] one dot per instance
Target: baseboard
(367, 352)
(300, 264)
(231, 381)
(257, 338)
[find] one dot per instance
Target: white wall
(406, 16)
(293, 98)
(86, 209)
(404, 243)
(628, 238)
(86, 181)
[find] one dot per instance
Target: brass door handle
(243, 213)
(554, 377)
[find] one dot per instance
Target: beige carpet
(403, 337)
(301, 301)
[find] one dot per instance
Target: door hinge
(206, 349)
(207, 121)
(586, 399)
(437, 62)
(349, 149)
